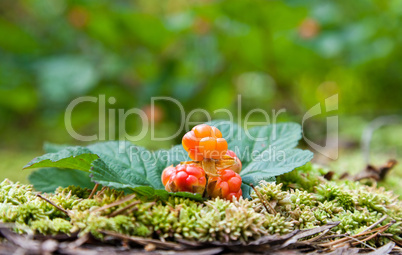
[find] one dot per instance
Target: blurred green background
(276, 54)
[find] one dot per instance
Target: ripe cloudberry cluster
(214, 171)
(204, 142)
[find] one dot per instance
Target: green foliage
(79, 158)
(201, 65)
(302, 199)
(225, 221)
(49, 179)
(21, 205)
(269, 192)
(115, 164)
(122, 165)
(354, 222)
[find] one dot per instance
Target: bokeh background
(276, 54)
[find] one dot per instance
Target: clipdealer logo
(108, 116)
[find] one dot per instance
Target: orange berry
(221, 147)
(189, 140)
(207, 146)
(204, 141)
(202, 130)
(194, 154)
(216, 132)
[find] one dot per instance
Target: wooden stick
(375, 234)
(93, 191)
(334, 236)
(101, 191)
(52, 203)
(121, 201)
(263, 200)
(364, 232)
(351, 237)
(117, 212)
(317, 237)
(375, 224)
(357, 241)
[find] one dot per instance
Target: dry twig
(93, 191)
(119, 202)
(52, 203)
(117, 212)
(263, 201)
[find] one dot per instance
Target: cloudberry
(184, 177)
(204, 142)
(227, 185)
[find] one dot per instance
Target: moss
(162, 219)
(355, 222)
(269, 192)
(308, 202)
(303, 178)
(277, 224)
(87, 222)
(339, 194)
(224, 221)
(51, 227)
(188, 221)
(74, 191)
(302, 199)
(15, 193)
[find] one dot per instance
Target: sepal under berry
(237, 165)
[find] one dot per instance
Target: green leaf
(117, 164)
(79, 158)
(278, 137)
(275, 165)
(124, 165)
(49, 179)
(119, 176)
(265, 151)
